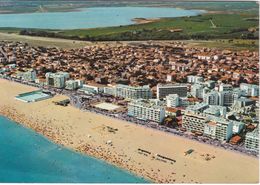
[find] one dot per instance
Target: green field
(227, 26)
(201, 27)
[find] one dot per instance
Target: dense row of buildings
(136, 65)
(207, 117)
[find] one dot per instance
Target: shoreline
(60, 128)
(73, 150)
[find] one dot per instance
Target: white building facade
(130, 92)
(252, 140)
(173, 100)
(146, 110)
(57, 79)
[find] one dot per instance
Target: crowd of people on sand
(58, 135)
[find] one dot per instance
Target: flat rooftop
(107, 106)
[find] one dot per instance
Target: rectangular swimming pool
(32, 96)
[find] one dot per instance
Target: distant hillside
(23, 6)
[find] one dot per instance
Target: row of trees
(145, 34)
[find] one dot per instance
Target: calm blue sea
(90, 17)
(26, 156)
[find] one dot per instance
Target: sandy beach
(144, 20)
(88, 133)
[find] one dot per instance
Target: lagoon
(90, 17)
(29, 157)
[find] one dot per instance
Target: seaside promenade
(87, 132)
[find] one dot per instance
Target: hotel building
(73, 84)
(219, 129)
(211, 98)
(57, 79)
(173, 100)
(146, 110)
(227, 98)
(210, 126)
(110, 90)
(29, 76)
(225, 87)
(252, 140)
(193, 121)
(197, 90)
(130, 92)
(94, 89)
(250, 89)
(165, 89)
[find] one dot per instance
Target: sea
(26, 156)
(90, 17)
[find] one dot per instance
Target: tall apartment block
(252, 140)
(250, 89)
(28, 76)
(130, 92)
(210, 126)
(146, 110)
(57, 79)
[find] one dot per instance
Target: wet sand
(88, 133)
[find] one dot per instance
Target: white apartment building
(238, 126)
(194, 122)
(130, 92)
(199, 107)
(165, 89)
(219, 129)
(73, 84)
(243, 102)
(225, 87)
(211, 126)
(197, 90)
(252, 140)
(29, 76)
(250, 89)
(95, 89)
(110, 90)
(57, 79)
(146, 110)
(227, 98)
(211, 98)
(216, 110)
(173, 100)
